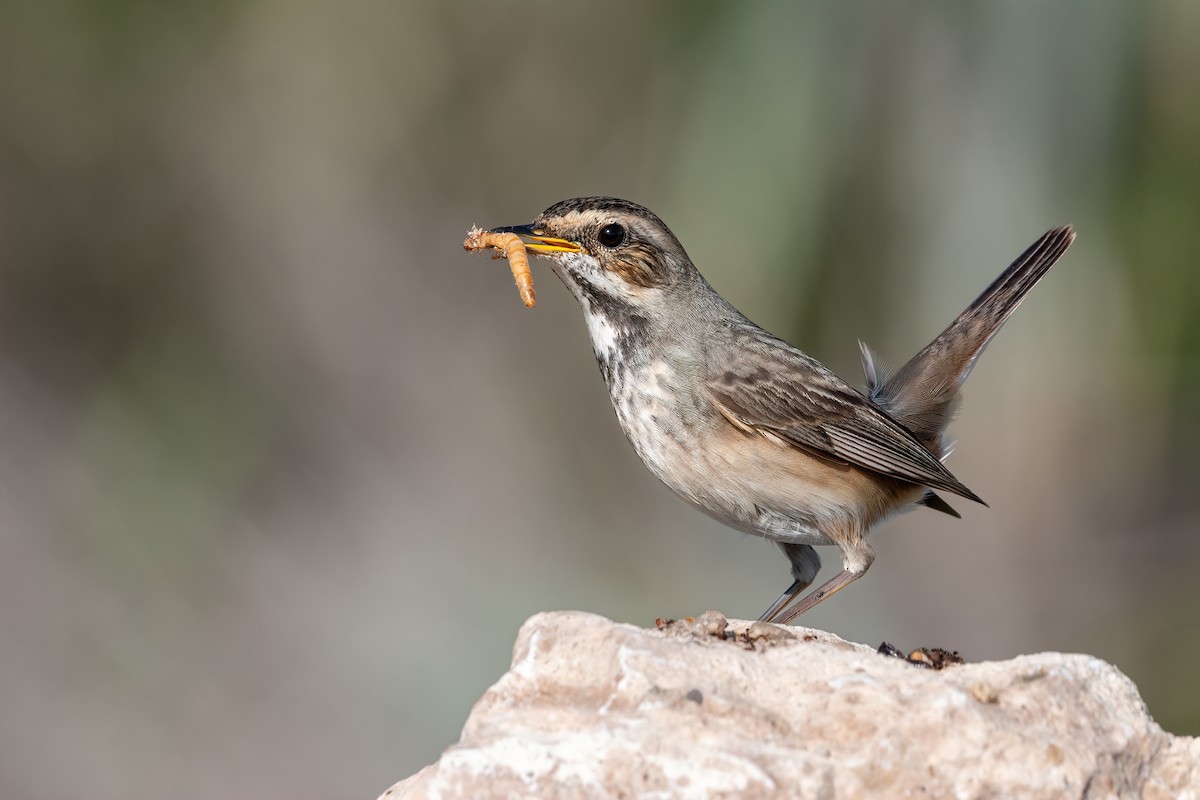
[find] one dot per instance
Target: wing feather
(784, 393)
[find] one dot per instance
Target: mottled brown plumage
(742, 425)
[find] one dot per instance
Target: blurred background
(283, 470)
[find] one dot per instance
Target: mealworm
(509, 246)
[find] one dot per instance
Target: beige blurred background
(282, 470)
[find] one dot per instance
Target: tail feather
(922, 396)
(931, 500)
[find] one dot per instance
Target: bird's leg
(784, 600)
(857, 556)
(828, 588)
(805, 566)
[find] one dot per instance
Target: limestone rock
(710, 709)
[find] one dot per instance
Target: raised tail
(923, 394)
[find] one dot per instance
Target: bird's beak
(537, 243)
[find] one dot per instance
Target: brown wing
(783, 393)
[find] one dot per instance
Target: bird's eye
(611, 235)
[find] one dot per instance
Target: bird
(749, 429)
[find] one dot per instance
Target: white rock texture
(710, 709)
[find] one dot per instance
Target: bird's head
(610, 253)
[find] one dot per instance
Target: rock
(710, 709)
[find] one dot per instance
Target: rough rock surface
(711, 709)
